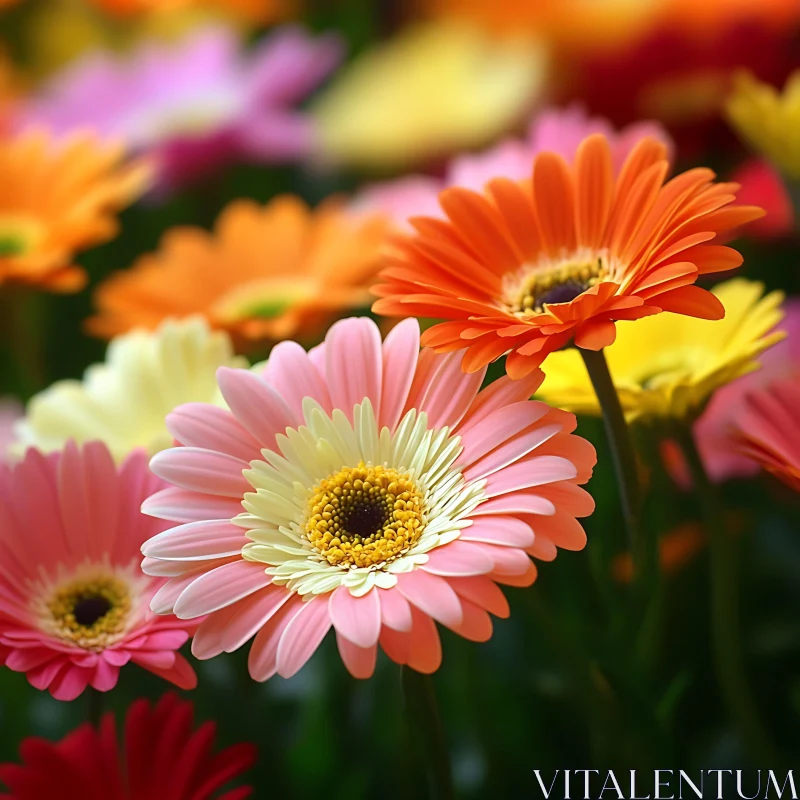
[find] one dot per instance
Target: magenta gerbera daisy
(364, 486)
(74, 604)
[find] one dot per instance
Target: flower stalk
(427, 730)
(619, 439)
(726, 640)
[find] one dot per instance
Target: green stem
(728, 655)
(619, 439)
(95, 703)
(428, 731)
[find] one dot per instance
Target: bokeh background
(566, 682)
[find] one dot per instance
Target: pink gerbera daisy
(363, 486)
(74, 605)
(162, 758)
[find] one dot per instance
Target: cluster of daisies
(367, 477)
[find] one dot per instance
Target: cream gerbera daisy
(123, 401)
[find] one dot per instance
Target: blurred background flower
(768, 430)
(554, 129)
(58, 197)
(431, 90)
(768, 119)
(124, 401)
(265, 274)
(195, 104)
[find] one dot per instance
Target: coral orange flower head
(160, 755)
(768, 430)
(266, 273)
(527, 267)
(57, 198)
(74, 605)
(364, 486)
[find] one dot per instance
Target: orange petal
(691, 301)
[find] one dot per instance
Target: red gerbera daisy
(162, 758)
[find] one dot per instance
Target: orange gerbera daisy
(55, 199)
(525, 268)
(266, 273)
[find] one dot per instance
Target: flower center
(18, 234)
(264, 299)
(364, 516)
(531, 290)
(90, 612)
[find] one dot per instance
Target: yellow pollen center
(90, 612)
(365, 516)
(559, 284)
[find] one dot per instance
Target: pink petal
(360, 661)
(499, 530)
(28, 658)
(511, 451)
(396, 644)
(515, 503)
(221, 587)
(202, 471)
(568, 497)
(528, 474)
(262, 661)
(117, 658)
(303, 635)
(171, 569)
(395, 610)
(400, 354)
(207, 640)
(449, 392)
(431, 594)
(41, 677)
(484, 593)
(252, 614)
(501, 394)
(213, 428)
(425, 650)
(163, 601)
(353, 363)
(517, 579)
(476, 625)
(70, 683)
(498, 427)
(542, 548)
(197, 541)
(180, 505)
(457, 558)
(258, 407)
(180, 672)
(290, 372)
(507, 560)
(356, 618)
(105, 676)
(563, 530)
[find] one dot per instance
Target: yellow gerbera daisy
(433, 89)
(669, 365)
(768, 119)
(125, 400)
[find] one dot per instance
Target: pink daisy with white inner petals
(364, 486)
(74, 604)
